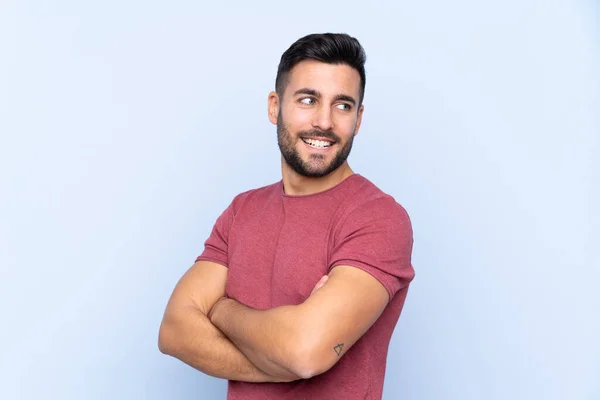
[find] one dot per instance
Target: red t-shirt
(278, 246)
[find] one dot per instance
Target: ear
(273, 107)
(359, 119)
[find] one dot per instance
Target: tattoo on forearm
(338, 349)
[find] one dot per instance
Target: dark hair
(330, 48)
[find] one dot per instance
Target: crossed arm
(224, 338)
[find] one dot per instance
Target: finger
(317, 286)
(320, 284)
(321, 281)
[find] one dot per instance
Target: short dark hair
(330, 48)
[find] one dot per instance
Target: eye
(309, 101)
(344, 106)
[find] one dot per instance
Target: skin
(187, 333)
(227, 339)
(303, 114)
(305, 339)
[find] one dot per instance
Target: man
(301, 282)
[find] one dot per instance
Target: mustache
(315, 133)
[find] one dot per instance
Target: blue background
(128, 126)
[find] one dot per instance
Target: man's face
(318, 117)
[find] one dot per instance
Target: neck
(295, 184)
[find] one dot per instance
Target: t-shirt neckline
(304, 196)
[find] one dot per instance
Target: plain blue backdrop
(128, 126)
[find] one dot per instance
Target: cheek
(297, 120)
(345, 126)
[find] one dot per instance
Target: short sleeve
(216, 246)
(377, 237)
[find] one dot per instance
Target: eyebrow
(338, 97)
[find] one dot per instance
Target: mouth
(318, 143)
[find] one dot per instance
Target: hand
(319, 284)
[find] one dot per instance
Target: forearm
(268, 338)
(194, 340)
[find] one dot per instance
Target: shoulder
(255, 196)
(370, 203)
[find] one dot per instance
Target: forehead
(328, 79)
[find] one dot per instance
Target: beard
(316, 166)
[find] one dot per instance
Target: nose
(322, 118)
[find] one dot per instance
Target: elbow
(306, 368)
(310, 361)
(165, 339)
(309, 351)
(305, 371)
(163, 346)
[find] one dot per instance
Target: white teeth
(320, 144)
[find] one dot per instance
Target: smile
(317, 144)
